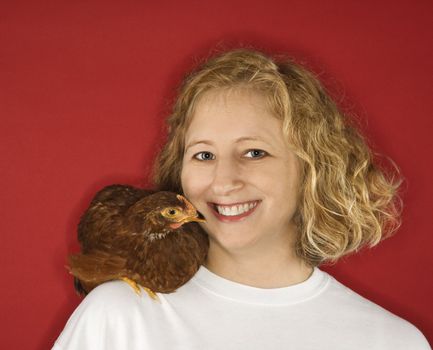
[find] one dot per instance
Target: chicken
(144, 238)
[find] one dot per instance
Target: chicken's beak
(193, 219)
(191, 214)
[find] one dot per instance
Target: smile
(233, 212)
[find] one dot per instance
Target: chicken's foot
(137, 290)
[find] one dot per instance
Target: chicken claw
(137, 290)
(151, 293)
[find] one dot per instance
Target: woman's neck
(278, 268)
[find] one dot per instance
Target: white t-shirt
(210, 312)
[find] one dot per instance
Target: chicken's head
(159, 214)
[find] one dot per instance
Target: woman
(285, 184)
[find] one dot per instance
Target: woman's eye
(204, 156)
(256, 153)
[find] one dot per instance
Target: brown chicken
(142, 237)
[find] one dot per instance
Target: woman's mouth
(233, 212)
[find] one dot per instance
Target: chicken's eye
(170, 212)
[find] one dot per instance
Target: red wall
(84, 88)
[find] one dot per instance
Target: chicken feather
(145, 237)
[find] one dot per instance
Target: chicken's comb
(188, 204)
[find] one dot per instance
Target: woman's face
(238, 171)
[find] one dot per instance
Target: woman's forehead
(233, 115)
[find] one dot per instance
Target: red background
(85, 87)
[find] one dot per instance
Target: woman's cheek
(189, 179)
(195, 180)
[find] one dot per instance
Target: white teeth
(235, 209)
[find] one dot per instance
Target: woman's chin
(232, 243)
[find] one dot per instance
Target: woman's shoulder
(112, 305)
(115, 299)
(115, 294)
(380, 322)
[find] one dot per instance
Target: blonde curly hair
(347, 201)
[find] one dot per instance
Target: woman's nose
(227, 178)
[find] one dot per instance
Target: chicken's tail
(91, 270)
(79, 288)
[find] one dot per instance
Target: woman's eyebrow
(193, 143)
(250, 138)
(240, 139)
